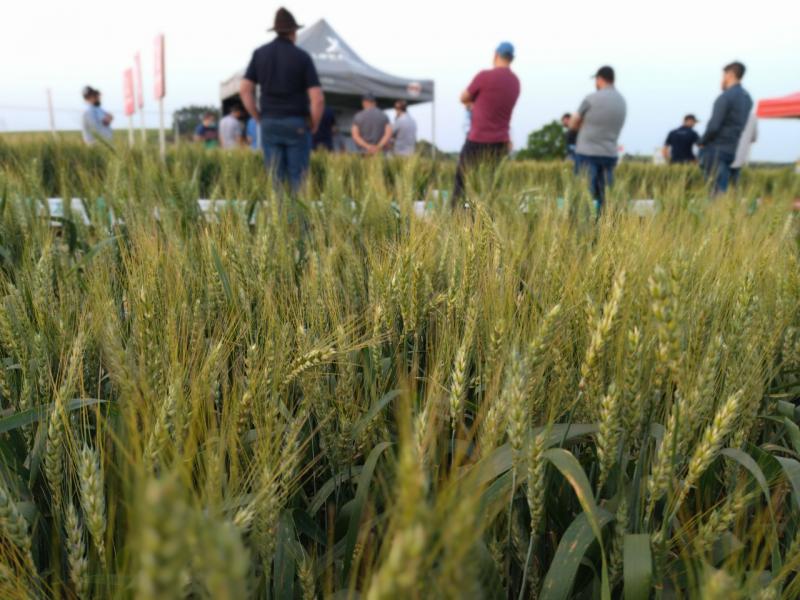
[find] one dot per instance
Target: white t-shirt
(748, 138)
(405, 135)
(230, 131)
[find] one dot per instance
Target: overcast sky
(668, 55)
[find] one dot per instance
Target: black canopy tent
(345, 78)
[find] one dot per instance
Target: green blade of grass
(637, 565)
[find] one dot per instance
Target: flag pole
(51, 112)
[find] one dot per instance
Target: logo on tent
(414, 89)
(332, 52)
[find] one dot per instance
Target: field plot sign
(130, 104)
(160, 89)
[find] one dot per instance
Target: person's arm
(107, 118)
(715, 122)
(576, 120)
(247, 92)
(469, 95)
(316, 102)
(360, 141)
(387, 135)
(665, 149)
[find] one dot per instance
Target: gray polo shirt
(603, 115)
(405, 135)
(371, 124)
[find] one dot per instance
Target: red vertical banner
(127, 92)
(137, 61)
(160, 86)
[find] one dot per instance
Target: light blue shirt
(253, 134)
(93, 126)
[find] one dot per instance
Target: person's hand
(373, 149)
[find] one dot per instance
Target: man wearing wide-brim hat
(291, 101)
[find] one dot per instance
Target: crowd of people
(291, 118)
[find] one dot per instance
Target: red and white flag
(127, 92)
(137, 61)
(160, 86)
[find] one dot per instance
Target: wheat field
(339, 398)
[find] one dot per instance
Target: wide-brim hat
(285, 22)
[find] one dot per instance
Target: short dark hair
(566, 116)
(208, 114)
(237, 107)
(401, 105)
(736, 68)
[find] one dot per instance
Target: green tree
(189, 117)
(547, 143)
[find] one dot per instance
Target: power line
(57, 109)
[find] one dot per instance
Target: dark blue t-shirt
(284, 72)
(681, 142)
(324, 135)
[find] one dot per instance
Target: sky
(668, 56)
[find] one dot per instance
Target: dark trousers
(287, 149)
(472, 155)
(716, 165)
(600, 170)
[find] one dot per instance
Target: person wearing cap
(291, 101)
(490, 98)
(599, 121)
(96, 122)
(404, 130)
(679, 147)
(728, 119)
(371, 130)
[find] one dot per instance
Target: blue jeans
(601, 175)
(287, 149)
(716, 165)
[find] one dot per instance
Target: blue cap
(506, 50)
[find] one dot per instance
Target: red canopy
(780, 108)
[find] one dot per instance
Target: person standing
(748, 138)
(404, 130)
(207, 132)
(570, 137)
(231, 130)
(291, 101)
(728, 119)
(679, 146)
(96, 122)
(599, 121)
(490, 99)
(371, 129)
(323, 138)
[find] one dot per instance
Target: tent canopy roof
(786, 107)
(345, 76)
